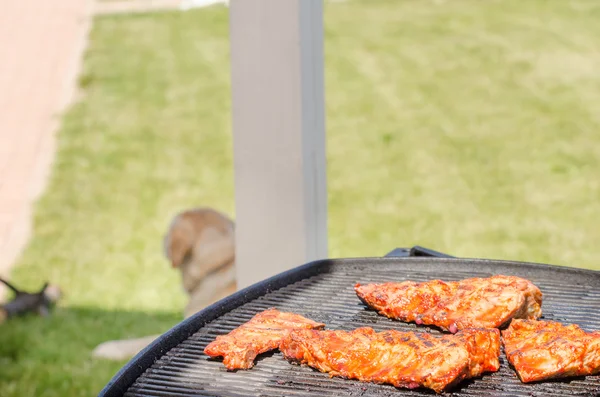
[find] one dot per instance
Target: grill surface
(327, 295)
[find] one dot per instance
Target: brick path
(41, 43)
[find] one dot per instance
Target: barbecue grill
(175, 366)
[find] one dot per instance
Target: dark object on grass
(27, 302)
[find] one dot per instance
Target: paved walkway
(41, 44)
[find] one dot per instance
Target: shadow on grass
(52, 356)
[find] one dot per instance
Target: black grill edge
(182, 332)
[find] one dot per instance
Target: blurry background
(470, 127)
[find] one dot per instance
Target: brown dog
(200, 243)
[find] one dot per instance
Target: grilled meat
(470, 303)
(403, 359)
(540, 350)
(262, 333)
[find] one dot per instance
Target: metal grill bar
(570, 296)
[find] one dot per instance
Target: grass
(467, 126)
(470, 127)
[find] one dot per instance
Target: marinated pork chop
(470, 303)
(542, 350)
(403, 359)
(262, 333)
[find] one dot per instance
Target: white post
(278, 134)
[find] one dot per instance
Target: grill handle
(417, 250)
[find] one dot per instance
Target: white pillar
(278, 134)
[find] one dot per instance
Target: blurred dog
(200, 243)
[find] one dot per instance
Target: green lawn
(470, 127)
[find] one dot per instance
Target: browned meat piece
(542, 350)
(403, 359)
(262, 333)
(471, 303)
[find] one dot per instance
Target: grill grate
(570, 296)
